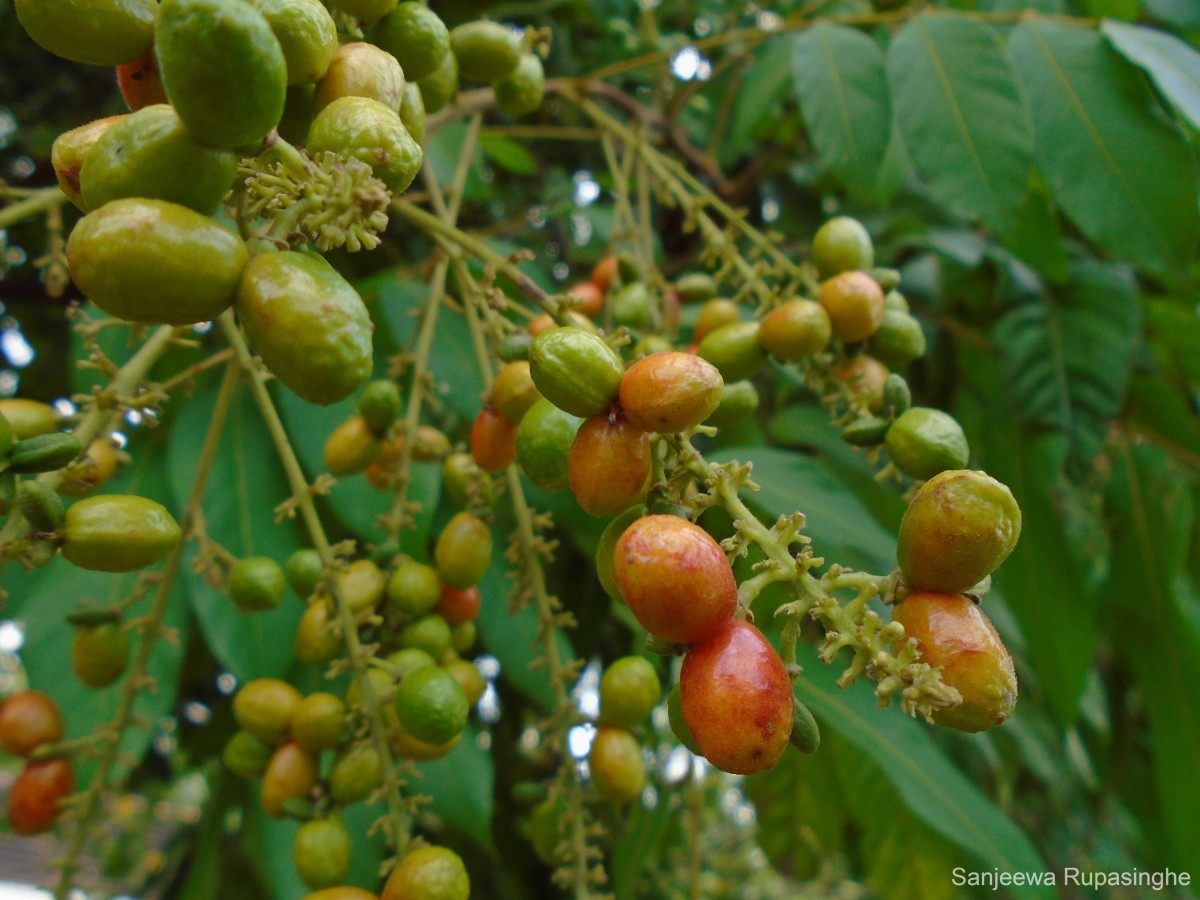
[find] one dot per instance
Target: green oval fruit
(414, 588)
(407, 660)
(464, 551)
(40, 505)
(842, 244)
(485, 50)
(303, 571)
(515, 346)
(100, 654)
(868, 432)
(101, 32)
(897, 398)
(958, 529)
(369, 131)
(607, 546)
(118, 533)
(888, 279)
(365, 10)
(633, 306)
(739, 401)
(895, 300)
(696, 287)
(898, 341)
(616, 765)
(416, 36)
(43, 453)
(222, 68)
(356, 772)
(629, 691)
(321, 852)
(714, 314)
(308, 324)
(440, 86)
(306, 33)
(428, 873)
(412, 111)
(69, 152)
(28, 418)
(513, 392)
(806, 734)
(154, 262)
(319, 722)
(463, 480)
(430, 633)
(147, 154)
(264, 707)
(679, 725)
(432, 706)
(246, 756)
(576, 370)
(795, 331)
(379, 405)
(924, 441)
(361, 70)
(520, 92)
(316, 640)
(544, 439)
(256, 583)
(734, 350)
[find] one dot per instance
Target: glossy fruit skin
(960, 526)
(316, 643)
(246, 756)
(408, 747)
(544, 439)
(195, 39)
(356, 772)
(464, 551)
(264, 707)
(669, 392)
(34, 798)
(795, 331)
(100, 654)
(924, 441)
(953, 633)
(360, 69)
(737, 699)
(369, 131)
(308, 324)
(431, 705)
(416, 36)
(459, 606)
(616, 765)
(739, 401)
(139, 83)
(485, 50)
(351, 447)
(576, 370)
(520, 92)
(609, 464)
(118, 533)
(493, 440)
(513, 391)
(28, 418)
(412, 111)
(440, 86)
(841, 245)
(714, 314)
(675, 578)
(28, 720)
(90, 471)
(607, 547)
(321, 852)
(428, 873)
(413, 589)
(306, 33)
(154, 262)
(101, 32)
(69, 151)
(855, 305)
(290, 775)
(257, 583)
(898, 341)
(319, 723)
(629, 691)
(734, 350)
(143, 156)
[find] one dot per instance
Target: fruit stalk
(31, 206)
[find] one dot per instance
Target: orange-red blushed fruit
(458, 606)
(854, 302)
(589, 297)
(540, 324)
(737, 699)
(28, 720)
(675, 578)
(493, 440)
(34, 797)
(668, 392)
(291, 774)
(604, 273)
(139, 83)
(609, 464)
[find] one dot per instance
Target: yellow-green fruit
(362, 585)
(319, 722)
(432, 706)
(321, 852)
(629, 691)
(100, 654)
(356, 772)
(958, 529)
(734, 350)
(118, 533)
(795, 331)
(366, 10)
(416, 36)
(316, 642)
(429, 873)
(361, 70)
(739, 401)
(308, 324)
(414, 588)
(714, 314)
(246, 756)
(222, 68)
(544, 439)
(513, 392)
(924, 441)
(102, 32)
(841, 245)
(257, 583)
(306, 33)
(440, 86)
(898, 341)
(576, 370)
(953, 634)
(485, 50)
(264, 707)
(29, 418)
(69, 151)
(351, 447)
(520, 92)
(369, 131)
(468, 678)
(615, 761)
(430, 634)
(154, 262)
(463, 551)
(412, 111)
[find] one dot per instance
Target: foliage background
(1034, 178)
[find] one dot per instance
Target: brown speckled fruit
(675, 578)
(609, 464)
(668, 392)
(737, 699)
(952, 632)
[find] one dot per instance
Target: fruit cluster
(31, 722)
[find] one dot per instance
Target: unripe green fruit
(246, 756)
(351, 447)
(485, 50)
(6, 436)
(898, 341)
(361, 70)
(408, 660)
(316, 641)
(44, 453)
(520, 92)
(924, 441)
(461, 477)
(734, 350)
(679, 725)
(428, 873)
(463, 636)
(414, 589)
(868, 432)
(544, 439)
(412, 111)
(371, 132)
(40, 505)
(431, 705)
(607, 546)
(256, 583)
(308, 324)
(304, 571)
(361, 586)
(547, 828)
(576, 370)
(100, 654)
(894, 300)
(264, 707)
(629, 691)
(633, 306)
(29, 418)
(101, 32)
(416, 36)
(958, 529)
(696, 287)
(616, 765)
(319, 722)
(154, 262)
(321, 852)
(223, 69)
(430, 633)
(841, 245)
(515, 346)
(714, 314)
(306, 33)
(118, 533)
(806, 734)
(464, 551)
(739, 401)
(356, 772)
(365, 10)
(897, 398)
(69, 151)
(440, 86)
(379, 405)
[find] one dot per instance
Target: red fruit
(589, 296)
(139, 82)
(604, 272)
(737, 699)
(35, 795)
(28, 720)
(458, 606)
(675, 578)
(609, 464)
(493, 440)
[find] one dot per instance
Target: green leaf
(1183, 15)
(1122, 174)
(1067, 356)
(1150, 598)
(927, 784)
(461, 785)
(1174, 332)
(965, 123)
(841, 85)
(508, 154)
(1156, 407)
(1172, 64)
(758, 94)
(245, 486)
(1116, 9)
(1036, 238)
